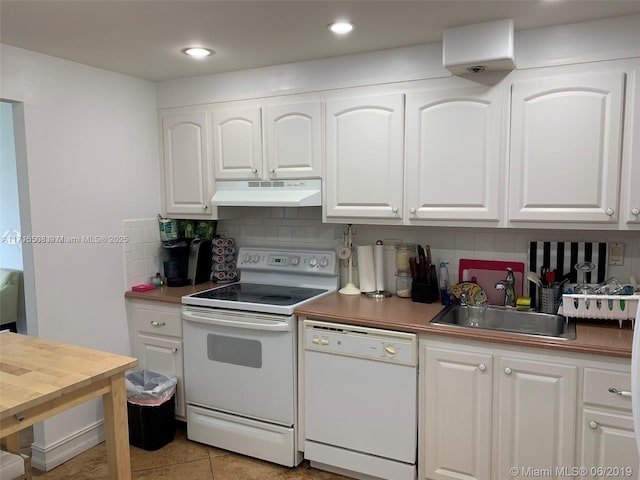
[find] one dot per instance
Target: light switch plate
(616, 253)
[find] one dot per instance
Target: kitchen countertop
(170, 294)
(394, 313)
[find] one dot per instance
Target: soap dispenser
(445, 293)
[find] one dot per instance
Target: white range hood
(277, 193)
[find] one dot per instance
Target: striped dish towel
(562, 257)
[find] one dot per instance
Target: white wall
(92, 160)
(563, 44)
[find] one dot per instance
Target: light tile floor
(182, 459)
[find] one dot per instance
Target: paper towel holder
(379, 264)
(345, 252)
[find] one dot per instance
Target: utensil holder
(549, 299)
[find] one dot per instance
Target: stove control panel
(321, 262)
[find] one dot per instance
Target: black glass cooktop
(259, 293)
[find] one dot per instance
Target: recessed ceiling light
(197, 52)
(341, 28)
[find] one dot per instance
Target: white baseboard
(57, 453)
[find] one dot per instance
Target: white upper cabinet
(565, 157)
(454, 160)
(237, 143)
(292, 145)
(364, 158)
(630, 215)
(186, 170)
(294, 140)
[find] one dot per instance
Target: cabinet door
(454, 154)
(608, 441)
(294, 136)
(455, 432)
(631, 214)
(237, 144)
(565, 148)
(164, 356)
(186, 167)
(537, 415)
(364, 166)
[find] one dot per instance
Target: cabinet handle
(412, 211)
(508, 371)
(157, 324)
(622, 393)
(204, 207)
(593, 425)
(254, 170)
(635, 212)
(482, 367)
(394, 209)
(174, 350)
(610, 212)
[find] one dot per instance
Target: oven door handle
(252, 324)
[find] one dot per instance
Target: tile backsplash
(303, 227)
(142, 251)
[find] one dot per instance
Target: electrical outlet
(616, 253)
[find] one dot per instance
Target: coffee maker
(175, 255)
(199, 263)
(186, 261)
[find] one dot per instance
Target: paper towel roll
(366, 269)
(378, 254)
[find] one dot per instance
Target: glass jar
(403, 284)
(404, 251)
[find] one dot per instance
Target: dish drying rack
(601, 307)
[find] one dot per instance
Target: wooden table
(41, 378)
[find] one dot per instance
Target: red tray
(488, 272)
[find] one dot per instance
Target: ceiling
(143, 38)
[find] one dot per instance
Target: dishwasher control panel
(361, 342)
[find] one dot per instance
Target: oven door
(241, 363)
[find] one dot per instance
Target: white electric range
(240, 352)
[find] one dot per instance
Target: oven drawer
(158, 320)
(256, 439)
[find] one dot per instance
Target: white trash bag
(145, 387)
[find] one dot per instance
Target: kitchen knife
(412, 267)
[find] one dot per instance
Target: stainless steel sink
(510, 320)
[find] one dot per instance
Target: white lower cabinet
(608, 445)
(456, 427)
(156, 339)
(536, 414)
(608, 439)
(488, 411)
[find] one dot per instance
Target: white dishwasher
(360, 401)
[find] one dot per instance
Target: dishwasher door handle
(248, 323)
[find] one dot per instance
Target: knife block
(426, 290)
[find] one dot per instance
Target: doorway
(17, 299)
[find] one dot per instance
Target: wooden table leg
(116, 429)
(11, 443)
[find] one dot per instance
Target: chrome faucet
(509, 292)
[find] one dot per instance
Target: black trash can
(150, 407)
